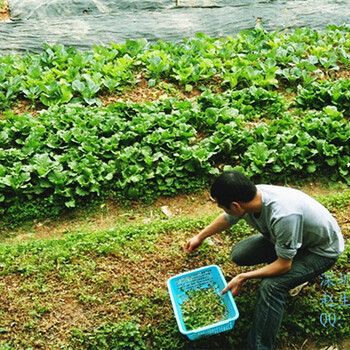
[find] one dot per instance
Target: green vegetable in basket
(202, 308)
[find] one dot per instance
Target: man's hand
(234, 285)
(193, 244)
(276, 268)
(218, 225)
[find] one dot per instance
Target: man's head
(232, 186)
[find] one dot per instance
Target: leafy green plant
(70, 153)
(252, 58)
(122, 336)
(326, 93)
(55, 93)
(140, 151)
(88, 87)
(158, 64)
(202, 307)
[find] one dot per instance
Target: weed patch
(85, 290)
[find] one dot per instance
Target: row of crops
(271, 104)
(255, 57)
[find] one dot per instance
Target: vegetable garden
(274, 105)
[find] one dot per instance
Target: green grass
(93, 290)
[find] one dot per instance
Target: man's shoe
(295, 291)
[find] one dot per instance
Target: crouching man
(299, 239)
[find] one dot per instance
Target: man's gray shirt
(292, 220)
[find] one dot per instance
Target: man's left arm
(278, 267)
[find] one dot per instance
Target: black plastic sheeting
(85, 23)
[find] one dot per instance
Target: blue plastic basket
(196, 279)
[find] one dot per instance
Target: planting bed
(88, 138)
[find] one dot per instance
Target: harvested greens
(202, 308)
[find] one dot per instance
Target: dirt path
(109, 214)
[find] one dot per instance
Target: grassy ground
(85, 281)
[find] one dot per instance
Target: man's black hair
(232, 186)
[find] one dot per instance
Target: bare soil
(109, 214)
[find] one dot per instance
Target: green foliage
(39, 208)
(59, 75)
(70, 153)
(325, 93)
(81, 258)
(5, 346)
(202, 307)
(252, 58)
(311, 316)
(76, 150)
(342, 262)
(301, 146)
(123, 336)
(336, 201)
(44, 256)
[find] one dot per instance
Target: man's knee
(270, 287)
(252, 251)
(237, 257)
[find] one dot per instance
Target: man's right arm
(218, 225)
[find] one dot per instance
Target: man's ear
(235, 205)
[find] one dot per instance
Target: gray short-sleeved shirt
(292, 220)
